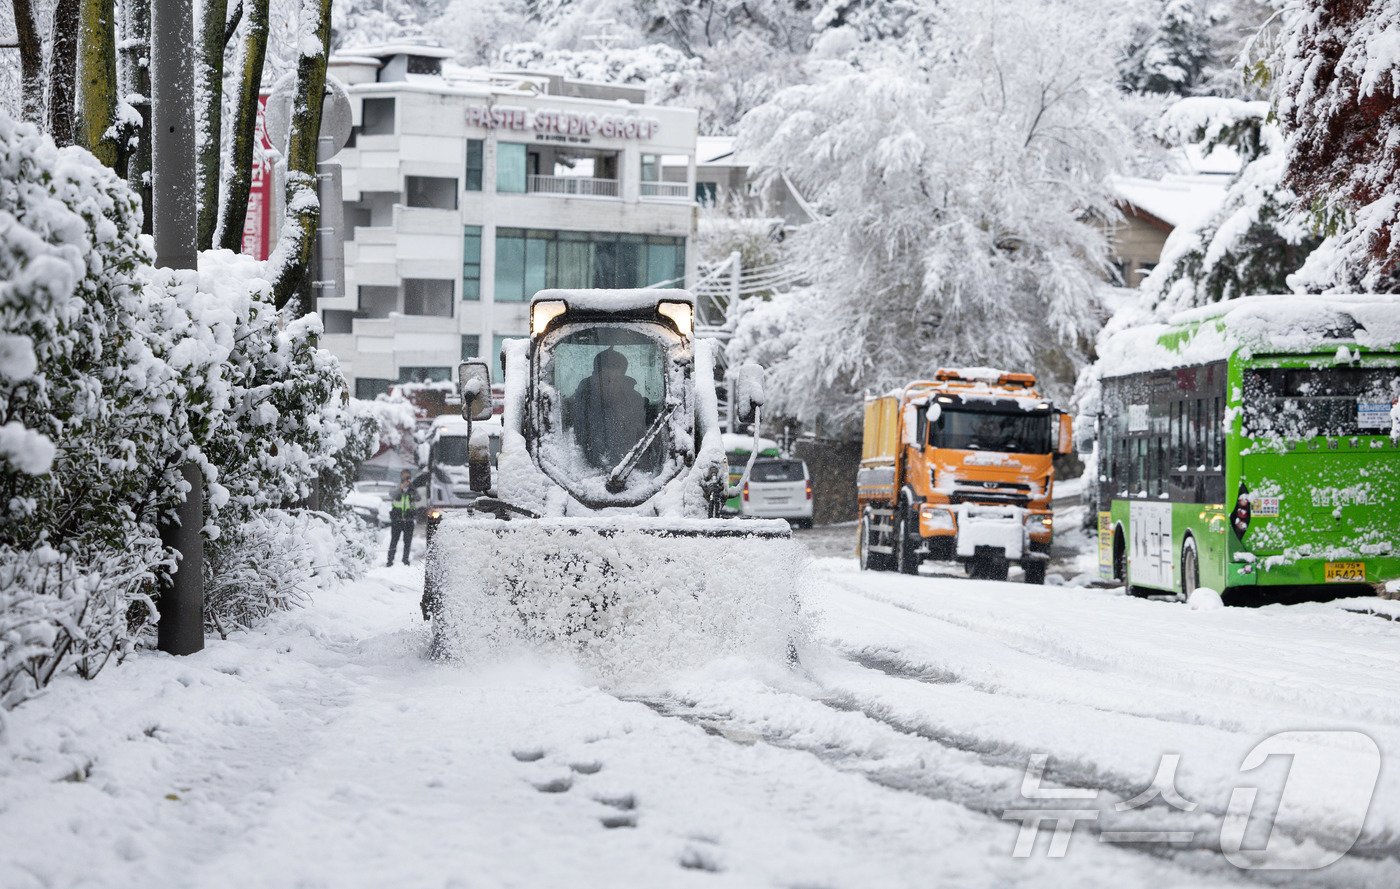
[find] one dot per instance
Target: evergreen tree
(1255, 240)
(1339, 101)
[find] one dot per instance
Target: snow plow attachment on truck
(603, 526)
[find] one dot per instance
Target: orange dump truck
(960, 467)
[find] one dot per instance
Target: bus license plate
(1345, 572)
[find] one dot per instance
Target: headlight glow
(680, 314)
(545, 311)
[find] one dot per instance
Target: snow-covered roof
(615, 300)
(717, 151)
(1289, 323)
(385, 50)
(1176, 199)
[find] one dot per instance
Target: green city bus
(1252, 446)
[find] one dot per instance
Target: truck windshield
(1300, 402)
(612, 386)
(451, 450)
(965, 430)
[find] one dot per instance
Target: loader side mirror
(1065, 442)
(748, 392)
(474, 386)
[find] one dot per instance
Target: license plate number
(1345, 572)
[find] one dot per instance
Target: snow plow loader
(603, 527)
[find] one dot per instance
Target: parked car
(779, 488)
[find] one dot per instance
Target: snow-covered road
(325, 750)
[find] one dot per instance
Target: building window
(476, 164)
(707, 193)
(425, 374)
(496, 342)
(368, 388)
(378, 302)
(433, 192)
(510, 167)
(377, 117)
(338, 320)
(471, 346)
(651, 168)
(528, 261)
(471, 262)
(427, 296)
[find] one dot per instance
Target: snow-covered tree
(1173, 46)
(1256, 239)
(1339, 101)
(959, 173)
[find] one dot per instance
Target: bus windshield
(1303, 402)
(1021, 432)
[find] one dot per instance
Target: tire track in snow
(1004, 768)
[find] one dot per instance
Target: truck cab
(960, 467)
(449, 445)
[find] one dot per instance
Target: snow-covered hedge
(113, 374)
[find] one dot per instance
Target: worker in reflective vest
(402, 507)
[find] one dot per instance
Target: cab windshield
(612, 387)
(1020, 432)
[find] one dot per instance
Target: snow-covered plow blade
(623, 588)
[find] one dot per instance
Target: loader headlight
(545, 311)
(682, 315)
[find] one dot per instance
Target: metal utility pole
(174, 219)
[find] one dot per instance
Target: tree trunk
(209, 88)
(31, 61)
(97, 80)
(63, 60)
(243, 131)
(290, 260)
(136, 54)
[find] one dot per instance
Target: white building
(463, 197)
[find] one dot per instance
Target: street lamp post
(173, 214)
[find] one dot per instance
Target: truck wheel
(1035, 571)
(906, 560)
(868, 561)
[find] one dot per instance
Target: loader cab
(610, 405)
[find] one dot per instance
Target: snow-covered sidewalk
(325, 750)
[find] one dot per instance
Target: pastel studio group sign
(561, 123)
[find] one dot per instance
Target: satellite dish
(336, 115)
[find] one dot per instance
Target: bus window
(1217, 436)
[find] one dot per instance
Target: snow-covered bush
(92, 427)
(275, 561)
(112, 375)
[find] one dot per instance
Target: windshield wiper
(618, 477)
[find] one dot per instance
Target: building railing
(579, 186)
(672, 190)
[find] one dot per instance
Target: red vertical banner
(257, 225)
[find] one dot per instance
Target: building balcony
(572, 186)
(666, 191)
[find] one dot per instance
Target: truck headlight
(678, 313)
(545, 311)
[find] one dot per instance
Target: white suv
(779, 488)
